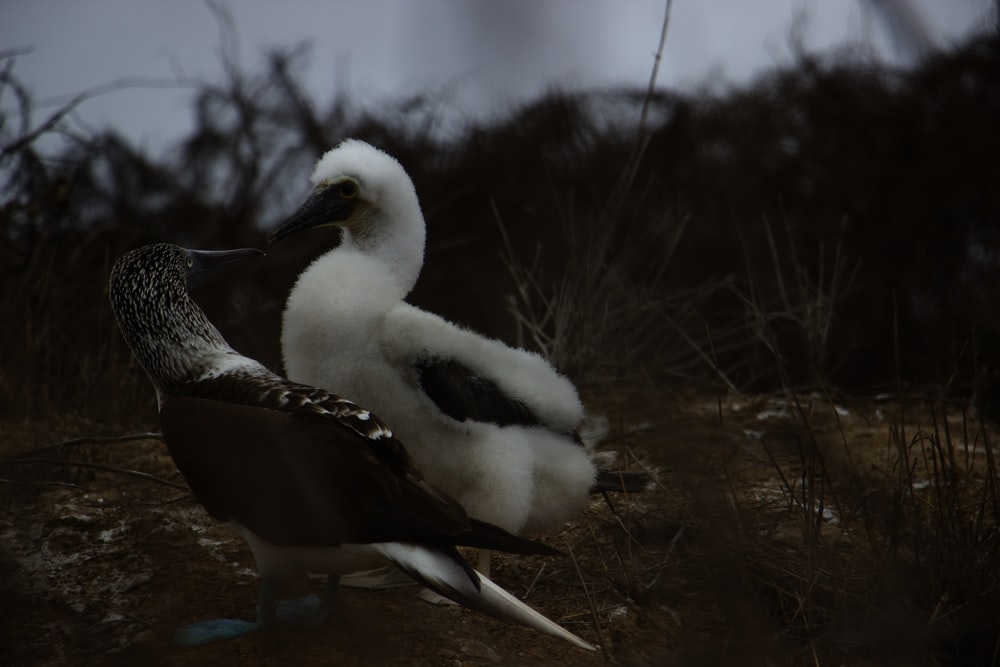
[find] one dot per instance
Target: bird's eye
(190, 262)
(347, 189)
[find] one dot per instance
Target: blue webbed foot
(216, 630)
(308, 611)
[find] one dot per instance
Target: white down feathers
(347, 329)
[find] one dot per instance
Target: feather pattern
(462, 394)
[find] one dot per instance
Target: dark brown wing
(297, 481)
(462, 394)
(311, 471)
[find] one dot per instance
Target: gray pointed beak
(323, 207)
(208, 261)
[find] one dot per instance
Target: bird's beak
(207, 261)
(323, 207)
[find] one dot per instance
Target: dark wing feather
(307, 469)
(297, 481)
(462, 394)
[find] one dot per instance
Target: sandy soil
(101, 568)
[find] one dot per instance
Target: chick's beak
(323, 207)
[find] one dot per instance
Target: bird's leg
(308, 610)
(266, 608)
(330, 596)
(483, 562)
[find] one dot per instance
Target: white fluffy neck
(394, 235)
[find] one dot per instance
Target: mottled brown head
(170, 336)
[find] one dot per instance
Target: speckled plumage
(181, 350)
(169, 336)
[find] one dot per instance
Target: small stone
(477, 649)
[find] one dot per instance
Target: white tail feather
(519, 612)
(439, 572)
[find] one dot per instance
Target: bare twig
(534, 581)
(656, 69)
(590, 602)
(19, 482)
(90, 440)
(50, 123)
(97, 466)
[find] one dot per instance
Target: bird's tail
(623, 481)
(448, 575)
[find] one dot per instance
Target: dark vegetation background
(840, 220)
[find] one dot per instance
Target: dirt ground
(99, 567)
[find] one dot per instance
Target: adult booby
(312, 482)
(493, 426)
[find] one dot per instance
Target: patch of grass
(613, 308)
(613, 302)
(890, 557)
(792, 308)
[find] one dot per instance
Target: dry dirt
(101, 568)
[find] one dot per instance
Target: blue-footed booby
(491, 425)
(313, 482)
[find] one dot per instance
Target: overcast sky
(488, 51)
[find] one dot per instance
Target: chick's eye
(347, 189)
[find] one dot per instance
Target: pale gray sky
(492, 52)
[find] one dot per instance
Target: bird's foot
(305, 611)
(309, 611)
(215, 630)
